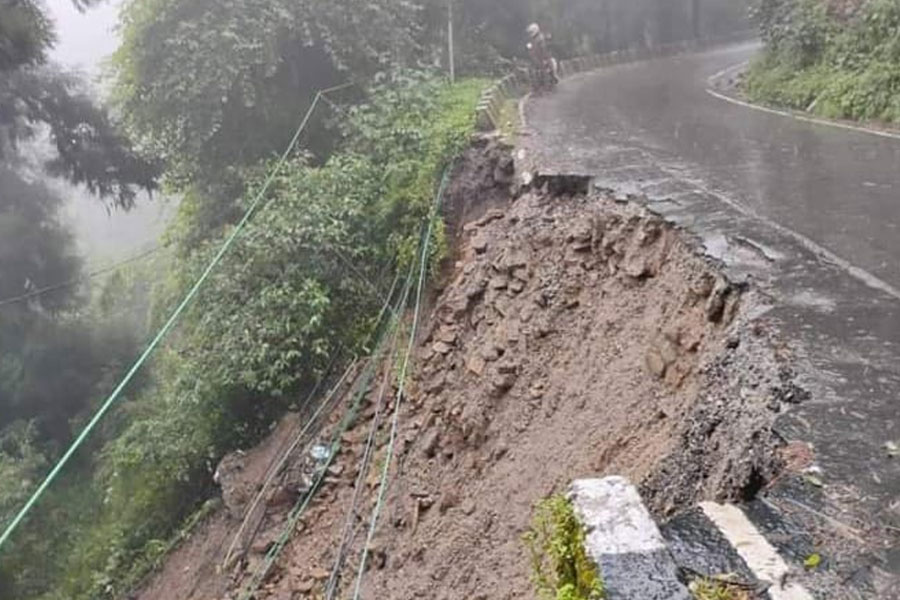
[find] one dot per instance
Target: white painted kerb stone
(614, 513)
(624, 542)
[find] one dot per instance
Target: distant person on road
(539, 51)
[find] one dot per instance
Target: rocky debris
(235, 492)
(442, 348)
(378, 555)
(480, 244)
(505, 171)
(476, 364)
(581, 236)
(436, 384)
(430, 442)
(447, 335)
(449, 499)
(499, 282)
(468, 506)
(579, 335)
(491, 216)
(715, 306)
(703, 287)
(239, 474)
(655, 363)
(503, 382)
(554, 296)
(735, 408)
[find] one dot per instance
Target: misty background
(85, 40)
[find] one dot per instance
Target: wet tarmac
(809, 215)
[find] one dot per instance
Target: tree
(215, 85)
(47, 358)
(25, 34)
(54, 360)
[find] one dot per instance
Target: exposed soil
(576, 336)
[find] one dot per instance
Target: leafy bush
(795, 30)
(561, 569)
(827, 62)
(302, 284)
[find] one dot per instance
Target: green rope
(114, 396)
(401, 388)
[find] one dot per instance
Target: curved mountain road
(810, 213)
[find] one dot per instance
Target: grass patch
(560, 567)
(828, 91)
(510, 122)
(712, 588)
(815, 61)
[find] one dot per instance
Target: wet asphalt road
(840, 188)
(807, 213)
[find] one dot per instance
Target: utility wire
(115, 266)
(81, 278)
(167, 327)
(273, 473)
(275, 470)
(348, 533)
(401, 385)
(303, 503)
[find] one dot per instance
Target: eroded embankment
(575, 336)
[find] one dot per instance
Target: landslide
(571, 335)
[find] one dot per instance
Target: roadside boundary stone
(624, 542)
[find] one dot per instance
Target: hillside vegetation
(836, 59)
(204, 96)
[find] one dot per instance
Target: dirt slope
(576, 336)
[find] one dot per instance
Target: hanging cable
(300, 508)
(81, 278)
(401, 384)
(170, 323)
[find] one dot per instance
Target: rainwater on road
(806, 213)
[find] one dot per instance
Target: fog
(85, 41)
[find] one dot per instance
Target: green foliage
(397, 130)
(212, 85)
(68, 364)
(796, 30)
(833, 64)
(302, 284)
(813, 561)
(25, 33)
(561, 569)
(717, 589)
(34, 96)
(52, 356)
(53, 359)
(215, 85)
(19, 462)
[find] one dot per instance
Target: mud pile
(575, 336)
